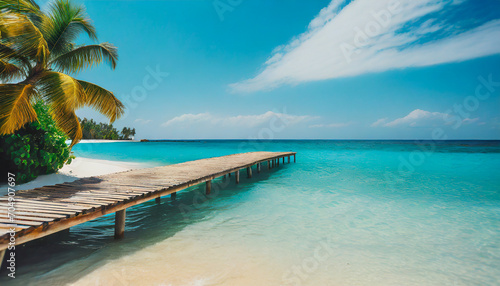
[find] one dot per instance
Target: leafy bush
(36, 149)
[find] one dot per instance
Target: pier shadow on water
(91, 245)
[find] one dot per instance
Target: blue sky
(337, 69)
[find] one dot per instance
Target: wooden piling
(249, 172)
(208, 187)
(173, 196)
(258, 167)
(158, 200)
(288, 159)
(2, 255)
(294, 158)
(237, 175)
(120, 224)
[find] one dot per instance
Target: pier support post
(173, 196)
(158, 200)
(258, 167)
(249, 172)
(208, 187)
(278, 162)
(294, 158)
(288, 159)
(119, 224)
(229, 174)
(2, 255)
(283, 160)
(237, 175)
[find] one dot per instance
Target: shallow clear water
(347, 213)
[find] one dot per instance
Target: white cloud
(189, 118)
(419, 118)
(326, 14)
(142, 121)
(331, 125)
(380, 122)
(470, 120)
(256, 120)
(239, 120)
(364, 36)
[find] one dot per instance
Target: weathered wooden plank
(36, 209)
(106, 194)
(4, 212)
(9, 226)
(20, 222)
(46, 207)
(30, 218)
(42, 203)
(96, 200)
(88, 203)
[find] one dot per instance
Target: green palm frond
(15, 107)
(12, 66)
(31, 41)
(20, 34)
(85, 57)
(64, 24)
(9, 71)
(23, 6)
(102, 100)
(62, 90)
(27, 7)
(67, 121)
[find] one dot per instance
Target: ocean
(346, 213)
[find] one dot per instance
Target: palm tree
(37, 58)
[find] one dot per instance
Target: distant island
(98, 130)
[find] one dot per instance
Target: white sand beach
(79, 168)
(101, 141)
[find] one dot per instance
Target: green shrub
(36, 149)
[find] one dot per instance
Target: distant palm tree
(37, 52)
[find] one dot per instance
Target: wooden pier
(50, 209)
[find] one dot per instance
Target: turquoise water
(347, 213)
